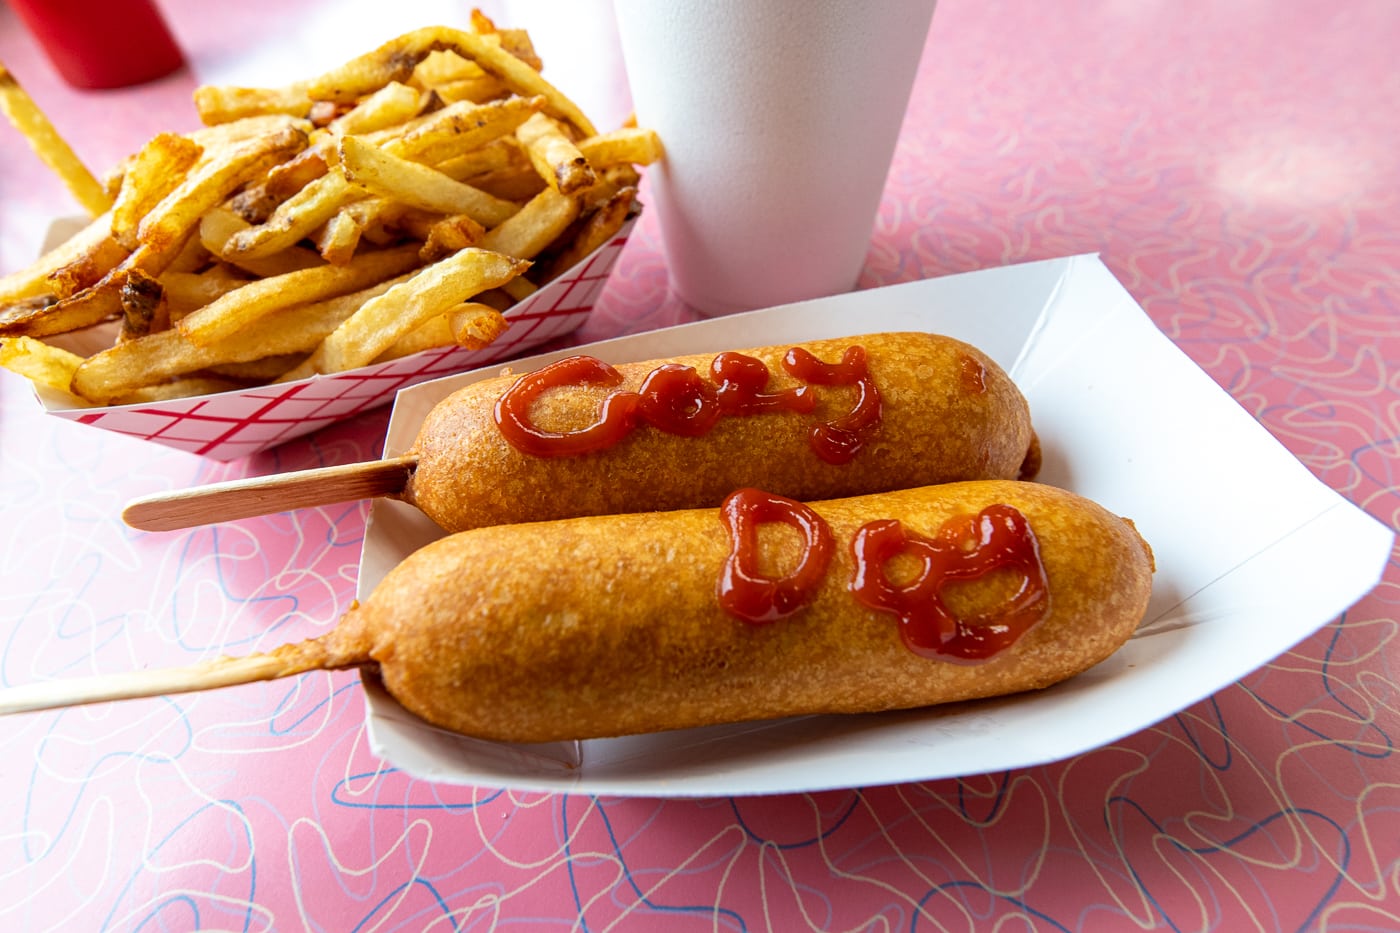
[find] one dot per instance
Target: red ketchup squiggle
(616, 416)
(965, 548)
(678, 400)
(741, 380)
(745, 593)
(840, 439)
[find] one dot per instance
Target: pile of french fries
(399, 202)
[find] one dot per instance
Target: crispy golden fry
(186, 291)
(161, 356)
(256, 371)
(445, 236)
(516, 183)
(595, 230)
(469, 325)
(443, 67)
(46, 142)
(442, 151)
(167, 225)
(177, 388)
(295, 218)
(556, 158)
(374, 327)
(389, 106)
(630, 145)
(534, 227)
(417, 185)
(152, 174)
(396, 59)
(163, 233)
(87, 269)
(502, 153)
(39, 362)
(461, 127)
(247, 305)
(215, 138)
(479, 90)
(338, 237)
(222, 224)
(217, 104)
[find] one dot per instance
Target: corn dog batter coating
(611, 625)
(947, 412)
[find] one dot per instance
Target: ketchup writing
(839, 440)
(965, 548)
(616, 417)
(743, 592)
(678, 400)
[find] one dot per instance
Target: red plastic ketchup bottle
(102, 43)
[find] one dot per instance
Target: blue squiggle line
(802, 844)
(140, 871)
(1199, 747)
(446, 911)
(1327, 685)
(87, 782)
(365, 775)
(1225, 845)
(979, 886)
(736, 921)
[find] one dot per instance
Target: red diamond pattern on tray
(235, 424)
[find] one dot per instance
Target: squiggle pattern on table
(1234, 167)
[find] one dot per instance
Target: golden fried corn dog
(815, 420)
(764, 607)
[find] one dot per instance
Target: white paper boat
(1253, 552)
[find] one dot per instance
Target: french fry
(396, 60)
(159, 357)
(46, 142)
(245, 306)
(87, 269)
(445, 236)
(164, 229)
(629, 145)
(556, 158)
(428, 174)
(597, 229)
(33, 280)
(186, 291)
(534, 226)
(221, 224)
(389, 176)
(470, 325)
(389, 106)
(295, 218)
(218, 104)
(461, 127)
(39, 362)
(150, 176)
(337, 239)
(377, 324)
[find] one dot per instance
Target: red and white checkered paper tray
(242, 422)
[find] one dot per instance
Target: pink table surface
(1236, 164)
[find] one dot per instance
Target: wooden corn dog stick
(263, 495)
(284, 661)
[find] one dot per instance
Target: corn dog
(613, 625)
(817, 420)
(762, 608)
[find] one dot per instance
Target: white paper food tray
(1253, 552)
(235, 424)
